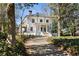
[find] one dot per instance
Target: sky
(40, 8)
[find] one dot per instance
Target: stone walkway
(40, 47)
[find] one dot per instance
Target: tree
(54, 26)
(64, 11)
(23, 7)
(0, 18)
(57, 13)
(11, 17)
(3, 17)
(70, 17)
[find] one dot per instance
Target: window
(47, 21)
(41, 20)
(33, 20)
(31, 28)
(44, 29)
(41, 29)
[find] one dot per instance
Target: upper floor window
(47, 21)
(33, 20)
(41, 20)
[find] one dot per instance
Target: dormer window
(33, 20)
(41, 20)
(47, 21)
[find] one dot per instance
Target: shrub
(3, 35)
(17, 50)
(8, 50)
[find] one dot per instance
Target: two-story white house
(36, 24)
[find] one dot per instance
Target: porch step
(47, 34)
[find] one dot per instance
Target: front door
(43, 29)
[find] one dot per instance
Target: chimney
(30, 12)
(37, 14)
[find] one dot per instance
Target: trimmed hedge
(67, 40)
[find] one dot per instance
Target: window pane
(41, 20)
(41, 28)
(47, 21)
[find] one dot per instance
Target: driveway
(39, 46)
(37, 41)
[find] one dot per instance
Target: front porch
(38, 30)
(43, 30)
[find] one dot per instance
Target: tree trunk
(21, 27)
(11, 17)
(59, 28)
(1, 18)
(59, 18)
